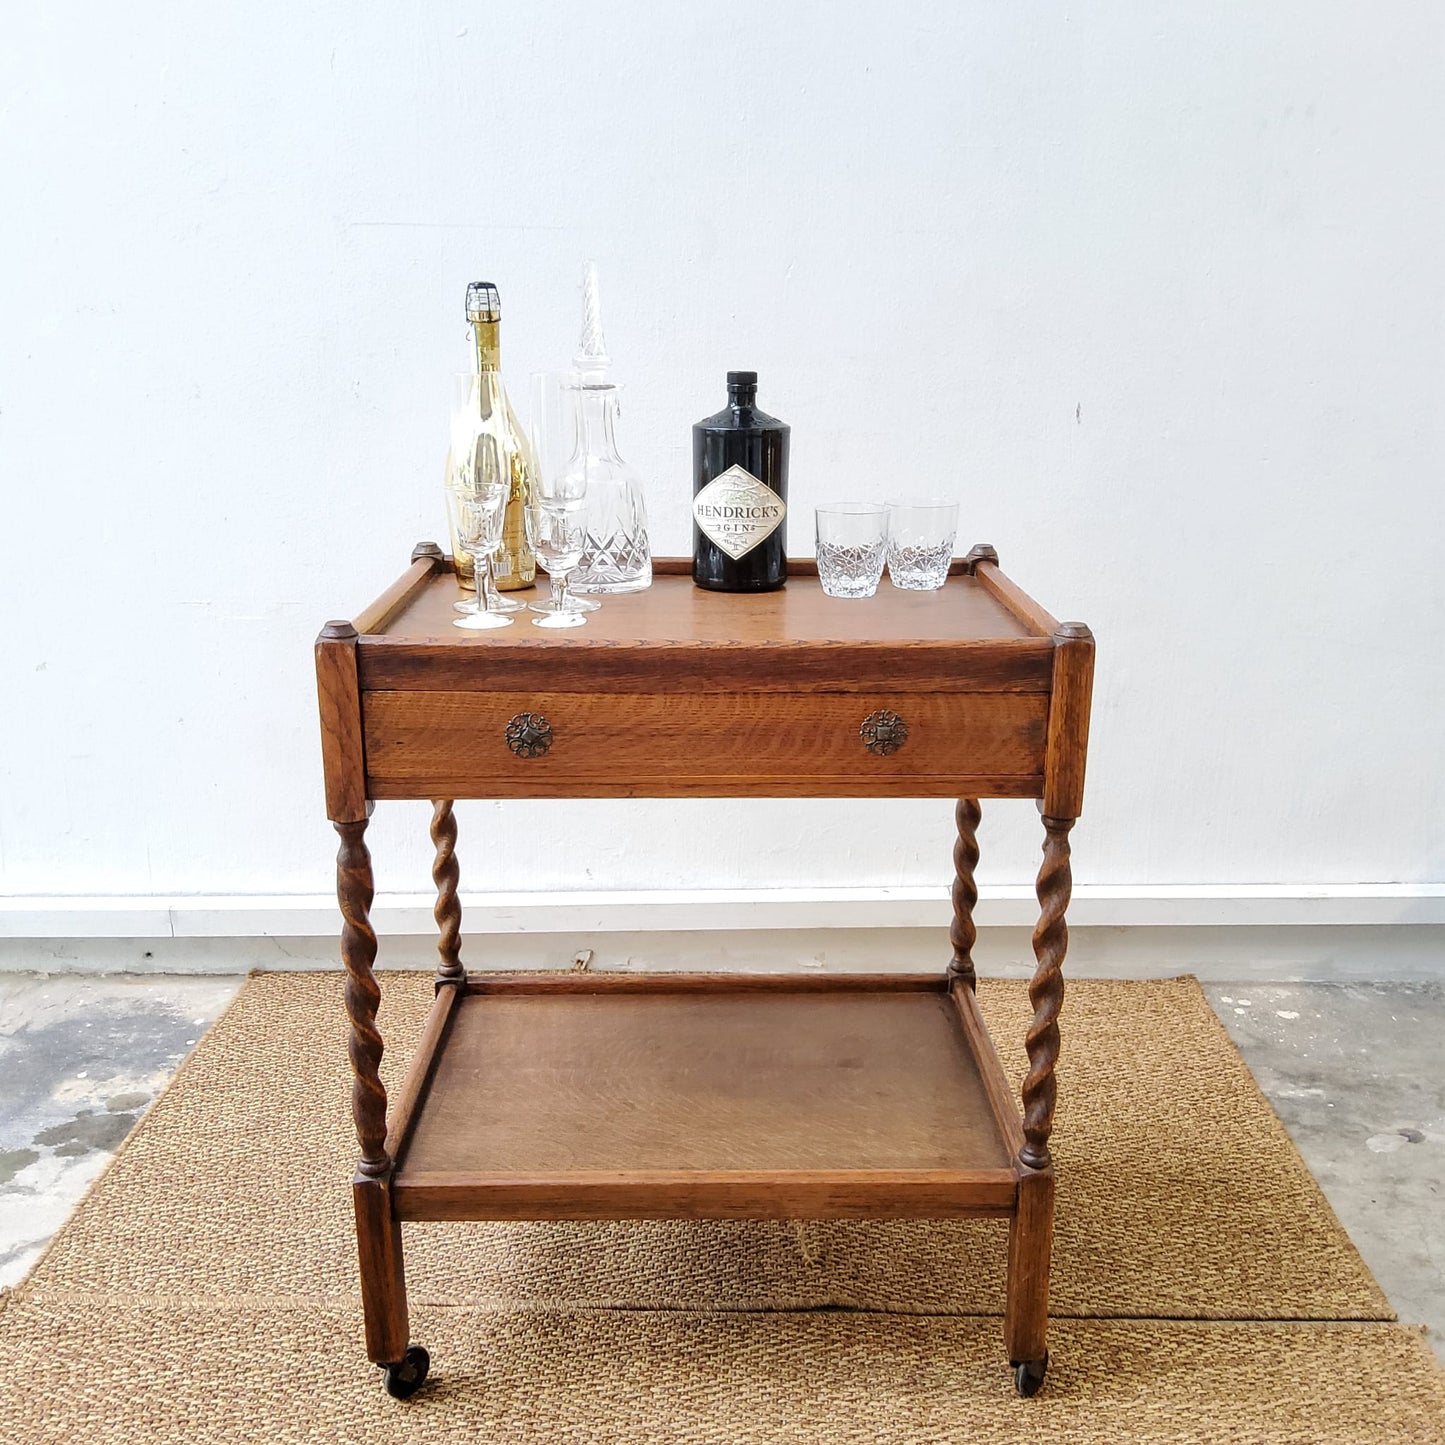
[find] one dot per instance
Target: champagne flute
(477, 513)
(557, 532)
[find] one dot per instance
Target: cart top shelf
(674, 610)
(978, 630)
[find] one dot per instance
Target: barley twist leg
(962, 932)
(354, 892)
(1046, 993)
(446, 874)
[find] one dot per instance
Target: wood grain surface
(700, 981)
(530, 1085)
(1068, 744)
(383, 1269)
(403, 591)
(996, 1086)
(982, 1193)
(338, 699)
(433, 744)
(1038, 619)
(674, 610)
(1030, 1253)
(678, 637)
(579, 1098)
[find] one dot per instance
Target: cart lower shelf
(668, 1096)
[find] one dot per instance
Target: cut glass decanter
(615, 556)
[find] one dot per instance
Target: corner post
(1031, 1230)
(1067, 748)
(378, 1231)
(980, 552)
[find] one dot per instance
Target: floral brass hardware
(529, 735)
(883, 732)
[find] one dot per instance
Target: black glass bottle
(740, 494)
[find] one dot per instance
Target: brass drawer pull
(529, 735)
(883, 732)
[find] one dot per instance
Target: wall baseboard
(1358, 932)
(749, 909)
(1344, 953)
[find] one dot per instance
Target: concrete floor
(81, 1059)
(1356, 1071)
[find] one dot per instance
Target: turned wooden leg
(1046, 993)
(962, 933)
(446, 874)
(1031, 1231)
(354, 892)
(378, 1234)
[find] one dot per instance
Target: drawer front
(499, 745)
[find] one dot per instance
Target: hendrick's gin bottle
(740, 494)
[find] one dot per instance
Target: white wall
(1156, 290)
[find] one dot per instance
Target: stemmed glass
(557, 532)
(495, 601)
(473, 462)
(559, 448)
(477, 513)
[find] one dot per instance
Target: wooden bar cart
(694, 1095)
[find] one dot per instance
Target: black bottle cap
(742, 378)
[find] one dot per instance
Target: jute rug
(206, 1288)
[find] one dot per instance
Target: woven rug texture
(206, 1288)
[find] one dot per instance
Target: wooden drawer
(454, 744)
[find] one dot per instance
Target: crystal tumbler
(852, 540)
(920, 543)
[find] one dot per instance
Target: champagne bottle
(505, 441)
(740, 494)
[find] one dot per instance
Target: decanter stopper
(591, 358)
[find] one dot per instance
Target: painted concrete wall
(1157, 291)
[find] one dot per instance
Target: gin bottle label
(737, 512)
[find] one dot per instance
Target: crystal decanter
(615, 556)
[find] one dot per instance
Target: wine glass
(473, 460)
(477, 516)
(559, 448)
(557, 531)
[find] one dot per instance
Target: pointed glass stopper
(591, 359)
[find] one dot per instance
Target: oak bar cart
(695, 1095)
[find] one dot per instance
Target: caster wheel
(1029, 1375)
(405, 1379)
